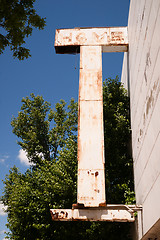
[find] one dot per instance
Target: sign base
(110, 213)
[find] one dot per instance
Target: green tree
(117, 138)
(49, 136)
(17, 20)
(33, 127)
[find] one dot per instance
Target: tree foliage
(17, 20)
(32, 126)
(117, 134)
(49, 136)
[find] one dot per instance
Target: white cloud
(2, 208)
(23, 157)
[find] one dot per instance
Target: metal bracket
(110, 213)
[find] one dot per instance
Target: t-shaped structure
(90, 43)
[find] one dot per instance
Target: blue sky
(47, 74)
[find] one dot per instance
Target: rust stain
(99, 78)
(96, 35)
(68, 38)
(77, 206)
(99, 37)
(81, 38)
(99, 83)
(97, 190)
(54, 215)
(108, 39)
(117, 37)
(59, 215)
(103, 204)
(95, 117)
(96, 174)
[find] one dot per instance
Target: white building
(141, 75)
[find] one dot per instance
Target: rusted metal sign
(112, 39)
(91, 201)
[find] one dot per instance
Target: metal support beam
(111, 213)
(91, 179)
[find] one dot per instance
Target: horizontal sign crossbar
(112, 39)
(112, 213)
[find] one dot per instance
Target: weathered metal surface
(91, 202)
(112, 213)
(91, 180)
(113, 39)
(90, 80)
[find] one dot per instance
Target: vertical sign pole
(91, 179)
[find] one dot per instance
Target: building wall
(141, 75)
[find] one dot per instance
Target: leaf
(18, 19)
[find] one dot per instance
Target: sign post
(91, 200)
